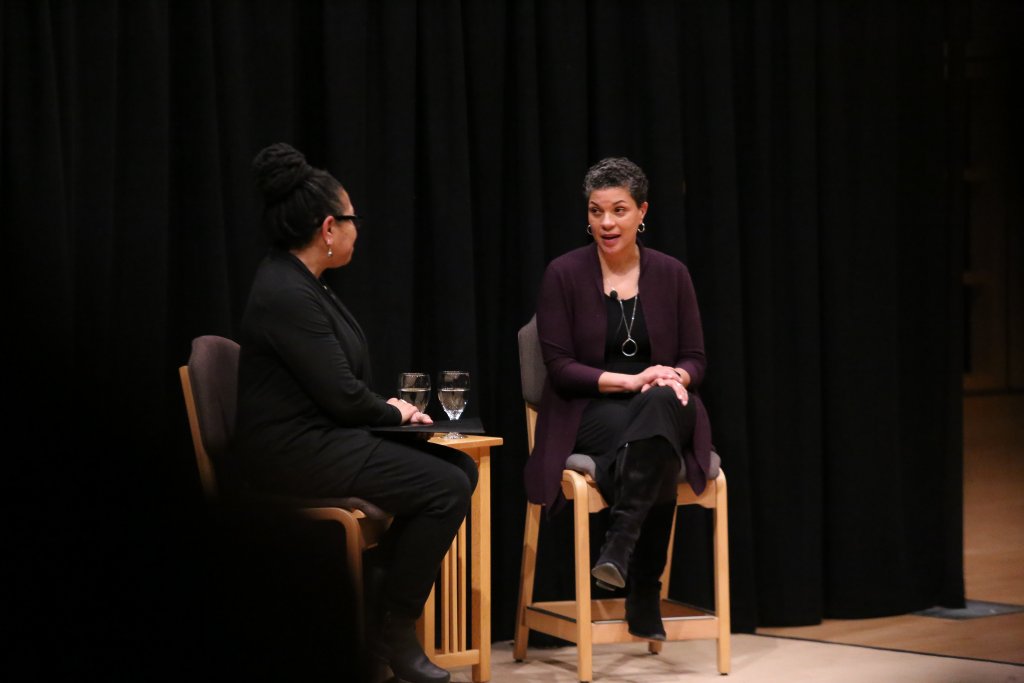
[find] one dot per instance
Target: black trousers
(427, 488)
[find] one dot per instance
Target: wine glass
(414, 388)
(452, 388)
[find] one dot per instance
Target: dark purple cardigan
(571, 323)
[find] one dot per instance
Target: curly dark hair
(616, 172)
(296, 196)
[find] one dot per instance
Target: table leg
(453, 584)
(481, 569)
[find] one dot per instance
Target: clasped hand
(663, 376)
(409, 413)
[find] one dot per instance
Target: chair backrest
(210, 385)
(532, 372)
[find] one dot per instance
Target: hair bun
(279, 169)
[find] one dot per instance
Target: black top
(304, 399)
(621, 320)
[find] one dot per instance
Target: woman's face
(345, 232)
(614, 217)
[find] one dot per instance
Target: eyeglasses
(357, 220)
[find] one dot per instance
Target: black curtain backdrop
(801, 163)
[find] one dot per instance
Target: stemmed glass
(452, 390)
(414, 388)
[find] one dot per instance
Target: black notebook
(470, 425)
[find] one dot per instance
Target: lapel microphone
(613, 294)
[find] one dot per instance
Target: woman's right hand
(405, 408)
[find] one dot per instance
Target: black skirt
(610, 423)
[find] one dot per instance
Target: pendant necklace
(629, 347)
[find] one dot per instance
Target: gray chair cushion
(584, 464)
(300, 503)
(353, 503)
(716, 466)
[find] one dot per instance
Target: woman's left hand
(681, 393)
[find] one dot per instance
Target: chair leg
(666, 573)
(354, 551)
(426, 628)
(654, 646)
(584, 629)
(526, 576)
(354, 546)
(722, 608)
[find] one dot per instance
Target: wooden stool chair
(587, 622)
(209, 383)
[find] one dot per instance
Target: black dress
(612, 420)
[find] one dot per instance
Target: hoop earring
(590, 230)
(642, 227)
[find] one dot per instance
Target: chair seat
(584, 464)
(351, 503)
(368, 509)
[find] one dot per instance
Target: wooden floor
(755, 659)
(993, 551)
(982, 650)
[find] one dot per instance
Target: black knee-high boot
(642, 470)
(643, 601)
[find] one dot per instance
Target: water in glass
(414, 387)
(452, 391)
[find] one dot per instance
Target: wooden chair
(587, 622)
(209, 383)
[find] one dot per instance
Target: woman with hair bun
(306, 406)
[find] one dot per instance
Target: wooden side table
(455, 648)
